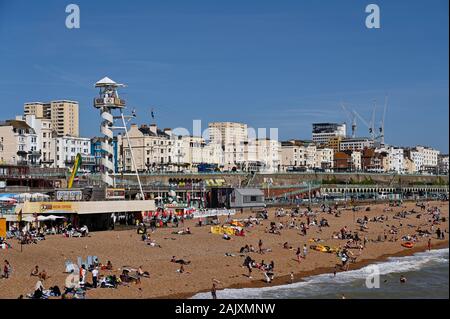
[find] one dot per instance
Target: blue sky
(283, 64)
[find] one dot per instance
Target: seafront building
(356, 144)
(18, 143)
(47, 135)
(45, 138)
(322, 133)
(68, 147)
(443, 164)
(64, 115)
(232, 137)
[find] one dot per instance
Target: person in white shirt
(38, 290)
(95, 277)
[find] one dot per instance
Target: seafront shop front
(96, 215)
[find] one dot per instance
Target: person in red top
(6, 269)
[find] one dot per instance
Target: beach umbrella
(42, 218)
(54, 217)
(7, 199)
(29, 219)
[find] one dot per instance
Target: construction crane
(375, 136)
(352, 117)
(381, 128)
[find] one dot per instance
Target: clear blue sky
(282, 64)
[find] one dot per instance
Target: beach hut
(247, 198)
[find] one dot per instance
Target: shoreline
(300, 276)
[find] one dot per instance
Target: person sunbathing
(35, 271)
(142, 273)
(108, 266)
(180, 261)
(245, 249)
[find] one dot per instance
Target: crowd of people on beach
(350, 242)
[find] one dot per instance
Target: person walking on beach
(260, 244)
(95, 277)
(83, 274)
(298, 254)
(6, 269)
(305, 251)
(429, 244)
(214, 288)
(438, 233)
(214, 291)
(292, 277)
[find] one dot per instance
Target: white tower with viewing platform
(107, 102)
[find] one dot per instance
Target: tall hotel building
(63, 115)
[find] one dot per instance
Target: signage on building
(56, 206)
(115, 193)
(69, 195)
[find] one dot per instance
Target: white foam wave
(315, 284)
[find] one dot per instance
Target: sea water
(427, 276)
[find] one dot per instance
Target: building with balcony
(18, 143)
(68, 147)
(64, 115)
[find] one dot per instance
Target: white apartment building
(443, 164)
(68, 147)
(260, 155)
(430, 156)
(190, 151)
(356, 160)
(324, 158)
(417, 158)
(424, 158)
(395, 159)
(268, 152)
(322, 133)
(45, 138)
(232, 137)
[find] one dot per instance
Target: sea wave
(317, 285)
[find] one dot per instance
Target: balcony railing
(109, 101)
